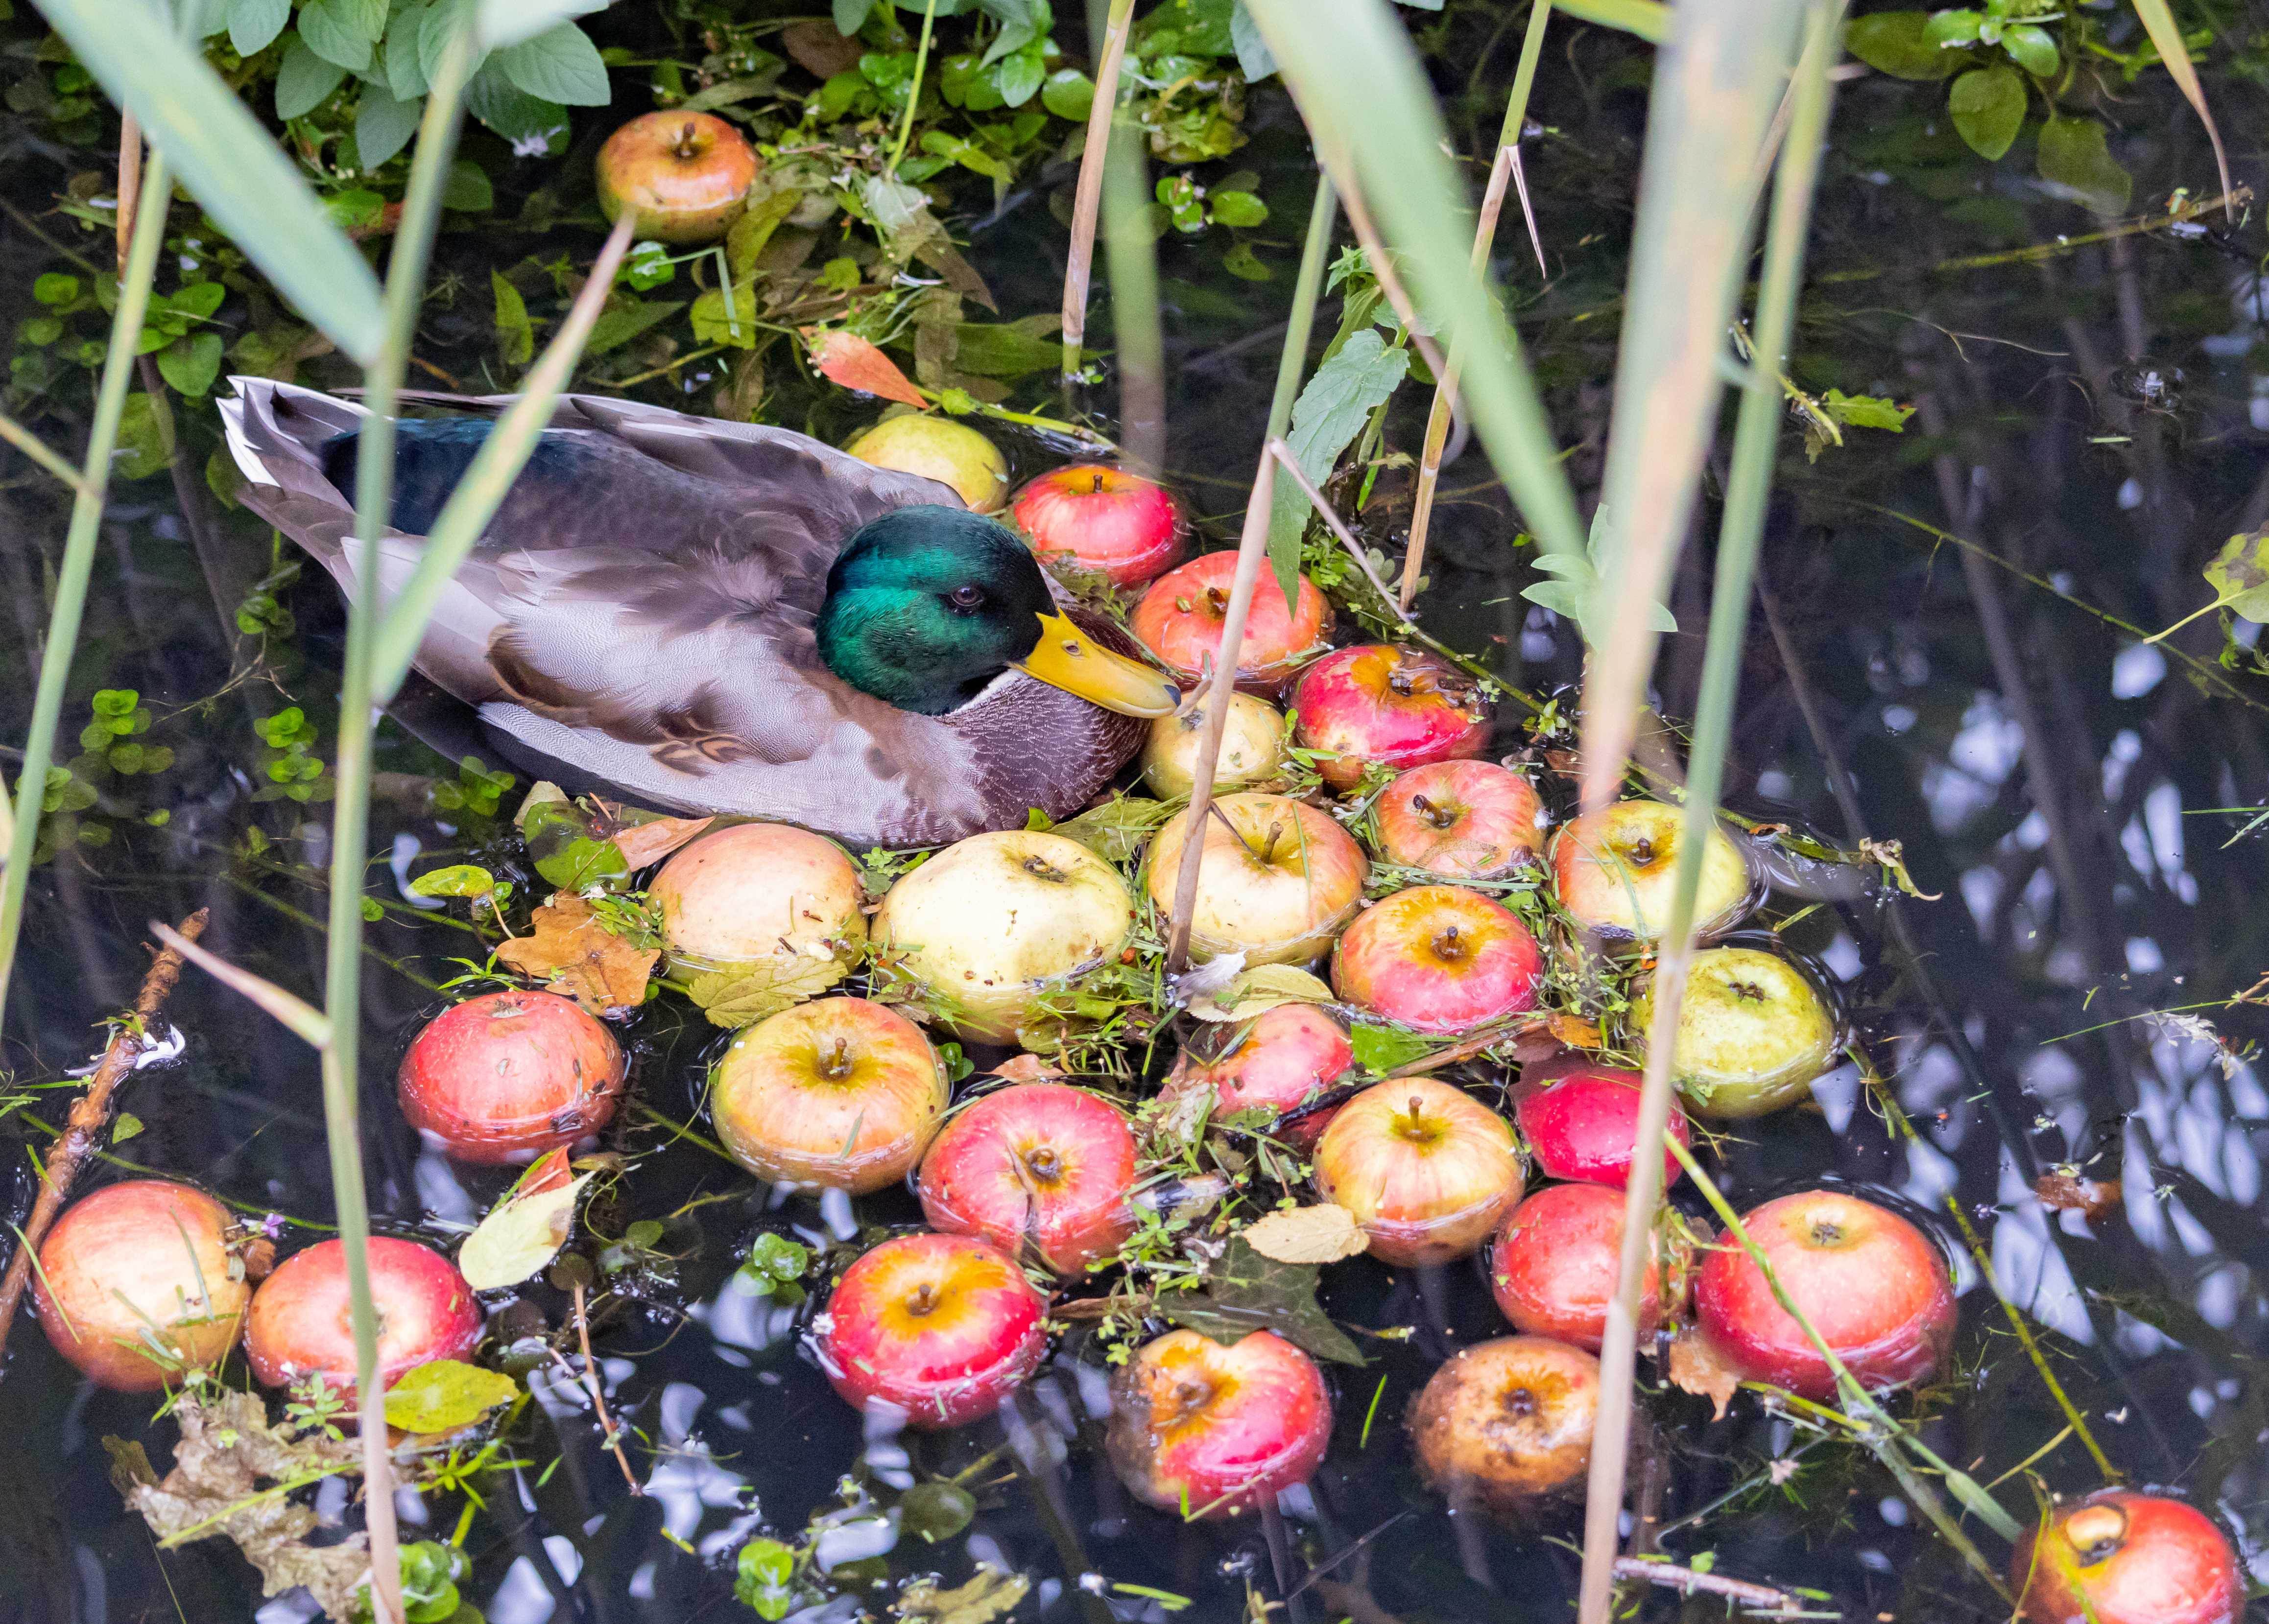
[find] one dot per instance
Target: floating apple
(1554, 1267)
(937, 1328)
(1179, 620)
(1616, 871)
(1212, 1431)
(1278, 878)
(2121, 1557)
(1252, 747)
(1398, 707)
(302, 1321)
(994, 923)
(840, 1092)
(686, 175)
(1287, 1054)
(1753, 1032)
(134, 1284)
(765, 898)
(1426, 1170)
(1874, 1285)
(1039, 1165)
(1582, 1123)
(952, 454)
(1504, 1421)
(1439, 959)
(1118, 524)
(1465, 820)
(506, 1076)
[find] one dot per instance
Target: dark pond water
(2097, 416)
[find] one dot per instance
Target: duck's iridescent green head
(926, 605)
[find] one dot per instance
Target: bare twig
(89, 1113)
(1687, 1582)
(129, 183)
(1079, 266)
(608, 1431)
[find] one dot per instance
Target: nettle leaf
(304, 79)
(1329, 414)
(560, 64)
(1900, 43)
(384, 125)
(332, 29)
(442, 1395)
(2076, 159)
(625, 320)
(253, 25)
(1988, 108)
(1246, 1292)
(515, 335)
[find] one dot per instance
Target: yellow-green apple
(952, 454)
(1505, 1420)
(1753, 1032)
(1874, 1285)
(2120, 1556)
(1615, 871)
(1106, 521)
(1579, 1119)
(1437, 958)
(302, 1319)
(1273, 1063)
(1209, 1430)
(1278, 878)
(1426, 1169)
(506, 1076)
(1378, 703)
(840, 1092)
(1040, 1170)
(937, 1329)
(1179, 620)
(1252, 747)
(686, 175)
(1463, 820)
(135, 1285)
(762, 898)
(1553, 1268)
(995, 922)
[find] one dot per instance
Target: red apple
(1466, 820)
(1278, 879)
(1616, 871)
(2120, 1557)
(1581, 1122)
(1400, 708)
(1285, 1055)
(1179, 618)
(1037, 1164)
(1439, 959)
(1554, 1266)
(302, 1320)
(506, 1076)
(937, 1328)
(841, 1093)
(1119, 524)
(1872, 1285)
(1504, 1421)
(1213, 1431)
(686, 174)
(134, 1284)
(1426, 1169)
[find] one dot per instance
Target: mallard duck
(718, 616)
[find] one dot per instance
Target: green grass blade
(2167, 35)
(1315, 254)
(234, 169)
(1368, 103)
(1649, 20)
(1717, 83)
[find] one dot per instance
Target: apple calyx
(2097, 1533)
(1040, 868)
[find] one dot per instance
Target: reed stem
(1132, 253)
(1079, 264)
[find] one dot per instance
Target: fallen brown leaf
(988, 1596)
(2068, 1192)
(816, 47)
(1027, 1069)
(1323, 1234)
(1697, 1366)
(642, 844)
(1576, 1034)
(571, 952)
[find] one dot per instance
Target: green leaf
(1068, 94)
(1019, 78)
(1866, 411)
(1380, 1049)
(2034, 50)
(405, 71)
(253, 25)
(765, 1569)
(1329, 414)
(508, 22)
(520, 1234)
(560, 64)
(746, 994)
(515, 335)
(191, 364)
(1899, 43)
(2074, 159)
(383, 126)
(459, 880)
(1241, 210)
(330, 28)
(304, 80)
(527, 121)
(2239, 576)
(1988, 105)
(442, 1395)
(1245, 1292)
(714, 324)
(1116, 830)
(755, 228)
(141, 450)
(1956, 28)
(1008, 349)
(936, 1510)
(128, 1126)
(623, 321)
(55, 287)
(1253, 56)
(468, 190)
(851, 15)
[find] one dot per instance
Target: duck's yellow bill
(1068, 659)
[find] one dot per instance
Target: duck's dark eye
(965, 597)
